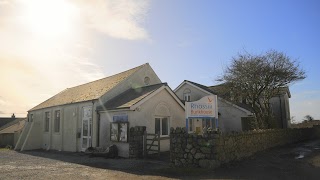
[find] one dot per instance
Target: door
(86, 128)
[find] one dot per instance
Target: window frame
(117, 136)
(46, 127)
(187, 95)
(31, 117)
(55, 121)
(161, 123)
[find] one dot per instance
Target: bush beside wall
(211, 149)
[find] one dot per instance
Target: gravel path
(298, 161)
(62, 165)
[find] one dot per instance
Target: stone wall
(136, 141)
(212, 149)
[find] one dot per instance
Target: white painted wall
(145, 117)
(230, 118)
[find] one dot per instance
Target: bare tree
(308, 118)
(258, 78)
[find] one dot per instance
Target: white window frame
(187, 95)
(46, 123)
(161, 118)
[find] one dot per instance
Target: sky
(48, 46)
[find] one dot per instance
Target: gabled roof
(202, 87)
(13, 126)
(211, 90)
(4, 121)
(87, 92)
(134, 96)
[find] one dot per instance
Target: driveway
(297, 161)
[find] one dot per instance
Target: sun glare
(49, 18)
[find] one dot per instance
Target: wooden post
(159, 144)
(145, 144)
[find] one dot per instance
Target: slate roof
(86, 92)
(202, 87)
(15, 121)
(215, 90)
(4, 121)
(130, 97)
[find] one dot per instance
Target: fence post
(145, 144)
(158, 143)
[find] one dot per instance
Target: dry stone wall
(212, 149)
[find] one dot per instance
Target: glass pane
(165, 126)
(114, 132)
(84, 142)
(157, 125)
(85, 128)
(190, 124)
(123, 132)
(208, 124)
(47, 125)
(57, 125)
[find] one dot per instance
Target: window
(187, 95)
(57, 121)
(46, 121)
(119, 132)
(146, 80)
(162, 126)
(31, 118)
(190, 125)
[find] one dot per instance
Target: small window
(31, 118)
(46, 122)
(187, 95)
(146, 80)
(57, 121)
(162, 126)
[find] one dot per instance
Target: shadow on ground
(296, 161)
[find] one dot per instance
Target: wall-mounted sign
(120, 118)
(205, 107)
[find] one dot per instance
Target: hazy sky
(47, 46)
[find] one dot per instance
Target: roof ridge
(138, 67)
(87, 85)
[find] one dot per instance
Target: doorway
(86, 128)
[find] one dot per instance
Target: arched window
(187, 94)
(162, 119)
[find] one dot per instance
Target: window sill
(164, 137)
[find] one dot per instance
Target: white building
(89, 114)
(230, 115)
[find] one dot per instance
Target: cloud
(33, 68)
(119, 19)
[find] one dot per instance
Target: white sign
(205, 107)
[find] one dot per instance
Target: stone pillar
(136, 147)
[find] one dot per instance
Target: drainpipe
(98, 128)
(92, 123)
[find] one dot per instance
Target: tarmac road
(297, 161)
